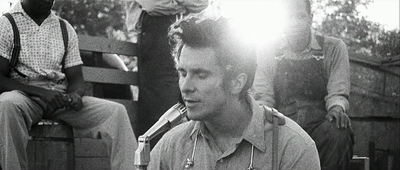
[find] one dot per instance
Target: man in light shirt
(228, 128)
(306, 76)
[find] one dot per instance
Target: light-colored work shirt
(42, 47)
(172, 7)
(296, 150)
(134, 9)
(336, 65)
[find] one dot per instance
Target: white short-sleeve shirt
(42, 47)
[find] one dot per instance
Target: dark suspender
(17, 44)
(64, 33)
(320, 40)
(275, 141)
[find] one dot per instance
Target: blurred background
(367, 26)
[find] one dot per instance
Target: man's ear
(238, 83)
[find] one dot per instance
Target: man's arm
(338, 86)
(55, 99)
(302, 156)
(172, 7)
(76, 86)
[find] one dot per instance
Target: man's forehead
(197, 58)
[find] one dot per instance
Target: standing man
(38, 87)
(228, 128)
(307, 78)
(158, 86)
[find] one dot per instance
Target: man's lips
(191, 101)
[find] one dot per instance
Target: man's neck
(35, 17)
(228, 128)
(299, 43)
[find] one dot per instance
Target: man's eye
(202, 75)
(182, 74)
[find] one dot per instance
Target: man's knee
(9, 109)
(115, 109)
(334, 135)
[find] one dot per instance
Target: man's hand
(54, 99)
(75, 101)
(337, 113)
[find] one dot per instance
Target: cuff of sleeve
(338, 100)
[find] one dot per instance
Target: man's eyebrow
(196, 70)
(200, 70)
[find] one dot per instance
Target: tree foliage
(339, 18)
(93, 17)
(342, 19)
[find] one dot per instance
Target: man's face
(39, 7)
(297, 18)
(201, 83)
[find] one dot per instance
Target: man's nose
(186, 85)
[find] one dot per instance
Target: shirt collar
(313, 49)
(314, 42)
(254, 132)
(17, 8)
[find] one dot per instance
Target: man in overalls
(306, 76)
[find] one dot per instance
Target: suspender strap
(16, 45)
(64, 33)
(320, 40)
(275, 132)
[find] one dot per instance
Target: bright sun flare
(256, 21)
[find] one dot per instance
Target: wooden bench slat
(105, 45)
(111, 76)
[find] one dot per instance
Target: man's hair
(232, 55)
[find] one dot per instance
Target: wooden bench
(91, 153)
(80, 153)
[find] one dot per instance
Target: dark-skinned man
(39, 87)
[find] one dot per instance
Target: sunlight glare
(256, 21)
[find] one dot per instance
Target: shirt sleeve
(339, 76)
(73, 57)
(263, 86)
(300, 156)
(6, 38)
(172, 7)
(133, 12)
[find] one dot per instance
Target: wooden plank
(54, 155)
(92, 164)
(364, 105)
(111, 76)
(105, 45)
(85, 147)
(385, 135)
